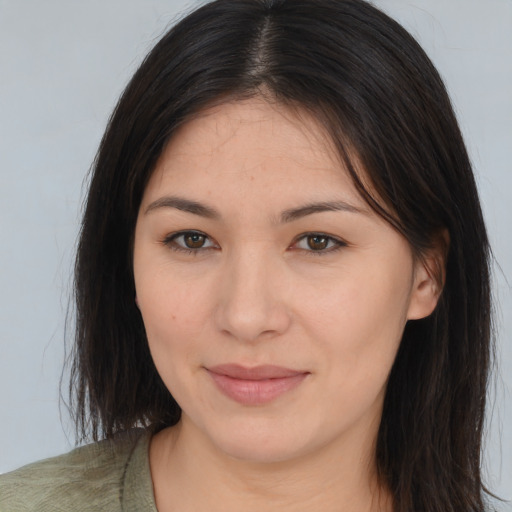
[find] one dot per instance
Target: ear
(429, 277)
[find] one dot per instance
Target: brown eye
(194, 240)
(190, 242)
(317, 242)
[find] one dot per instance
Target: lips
(255, 386)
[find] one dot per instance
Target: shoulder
(88, 478)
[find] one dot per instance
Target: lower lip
(256, 392)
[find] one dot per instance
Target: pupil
(317, 243)
(194, 240)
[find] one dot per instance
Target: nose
(252, 301)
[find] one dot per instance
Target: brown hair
(372, 86)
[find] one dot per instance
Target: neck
(189, 473)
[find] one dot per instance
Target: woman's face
(274, 299)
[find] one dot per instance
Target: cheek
(356, 303)
(356, 332)
(359, 323)
(175, 317)
(174, 321)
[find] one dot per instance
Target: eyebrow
(184, 205)
(289, 215)
(325, 206)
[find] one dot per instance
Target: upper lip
(237, 371)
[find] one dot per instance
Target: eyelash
(170, 241)
(337, 243)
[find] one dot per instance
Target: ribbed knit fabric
(109, 476)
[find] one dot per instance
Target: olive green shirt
(107, 476)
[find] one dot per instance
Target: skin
(259, 291)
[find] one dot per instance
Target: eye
(189, 241)
(318, 242)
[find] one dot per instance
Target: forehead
(270, 123)
(244, 147)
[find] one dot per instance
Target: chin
(262, 444)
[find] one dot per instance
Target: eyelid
(170, 242)
(338, 243)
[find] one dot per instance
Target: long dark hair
(383, 103)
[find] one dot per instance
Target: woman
(282, 277)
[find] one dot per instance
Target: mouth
(255, 386)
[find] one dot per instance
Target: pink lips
(255, 386)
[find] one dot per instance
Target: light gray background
(63, 64)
